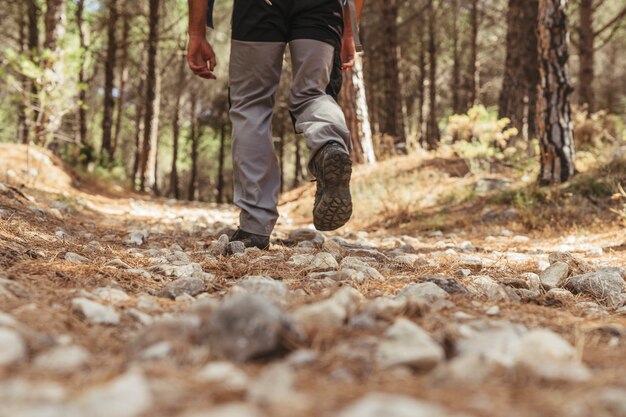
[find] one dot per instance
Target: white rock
(12, 347)
(274, 385)
(493, 311)
(301, 260)
(111, 295)
(331, 313)
(76, 258)
(157, 351)
(140, 316)
(126, 396)
(356, 264)
(548, 355)
(63, 359)
(226, 374)
(554, 276)
(486, 286)
(520, 239)
(137, 237)
(95, 313)
(407, 259)
(497, 345)
(521, 258)
(323, 261)
(424, 290)
(533, 280)
(405, 343)
(262, 285)
(560, 295)
(389, 405)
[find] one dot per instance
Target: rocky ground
(120, 307)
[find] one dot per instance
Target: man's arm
(348, 49)
(199, 51)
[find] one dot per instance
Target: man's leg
(315, 36)
(255, 67)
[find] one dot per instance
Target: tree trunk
(281, 154)
(33, 46)
(433, 134)
(106, 152)
(220, 166)
(147, 169)
(393, 123)
(121, 101)
(456, 60)
(22, 131)
(139, 110)
(521, 73)
(586, 53)
(193, 178)
(554, 120)
(82, 78)
(354, 104)
(421, 84)
(473, 62)
(174, 189)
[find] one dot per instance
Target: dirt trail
(122, 307)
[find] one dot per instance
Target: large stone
(554, 275)
(549, 356)
(405, 343)
(111, 295)
(12, 347)
(95, 313)
(486, 286)
(264, 286)
(357, 264)
(190, 286)
(126, 396)
(423, 290)
(390, 405)
(606, 286)
(303, 234)
(137, 237)
(576, 266)
(329, 314)
(497, 345)
(246, 327)
(220, 246)
(76, 258)
(62, 359)
(449, 285)
(323, 261)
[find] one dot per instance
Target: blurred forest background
(104, 84)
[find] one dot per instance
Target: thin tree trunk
(354, 104)
(432, 131)
(33, 46)
(586, 51)
(394, 120)
(174, 188)
(121, 101)
(106, 152)
(220, 166)
(456, 60)
(421, 84)
(554, 120)
(82, 78)
(147, 169)
(281, 155)
(521, 72)
(139, 110)
(193, 179)
(22, 122)
(473, 63)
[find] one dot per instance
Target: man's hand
(348, 52)
(200, 57)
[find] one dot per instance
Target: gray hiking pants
(255, 69)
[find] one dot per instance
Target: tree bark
(123, 70)
(106, 151)
(586, 51)
(22, 131)
(473, 62)
(147, 169)
(433, 134)
(220, 167)
(33, 46)
(174, 188)
(82, 78)
(355, 110)
(456, 60)
(421, 84)
(521, 73)
(554, 120)
(297, 172)
(193, 136)
(139, 110)
(393, 122)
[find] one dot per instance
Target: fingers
(201, 69)
(348, 65)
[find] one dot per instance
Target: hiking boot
(333, 203)
(250, 240)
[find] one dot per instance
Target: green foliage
(482, 139)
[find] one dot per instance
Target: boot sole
(334, 208)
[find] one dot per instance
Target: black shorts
(288, 20)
